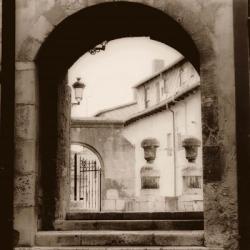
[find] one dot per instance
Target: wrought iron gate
(87, 183)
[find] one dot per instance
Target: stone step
(115, 248)
(120, 238)
(135, 216)
(67, 225)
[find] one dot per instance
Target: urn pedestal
(150, 178)
(192, 195)
(150, 175)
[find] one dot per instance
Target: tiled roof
(120, 112)
(174, 63)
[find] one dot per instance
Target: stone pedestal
(192, 195)
(150, 201)
(150, 177)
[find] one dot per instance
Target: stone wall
(26, 150)
(210, 26)
(117, 154)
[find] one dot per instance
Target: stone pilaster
(63, 152)
(26, 149)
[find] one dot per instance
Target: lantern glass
(78, 93)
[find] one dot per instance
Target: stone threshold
(120, 238)
(78, 215)
(117, 248)
(67, 225)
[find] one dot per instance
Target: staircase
(125, 231)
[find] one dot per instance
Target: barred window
(191, 182)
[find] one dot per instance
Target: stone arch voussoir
(45, 24)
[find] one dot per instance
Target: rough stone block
(24, 190)
(26, 89)
(26, 121)
(112, 194)
(120, 204)
(41, 29)
(28, 50)
(171, 203)
(56, 14)
(120, 238)
(25, 224)
(109, 205)
(25, 66)
(26, 156)
(144, 206)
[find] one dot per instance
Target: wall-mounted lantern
(78, 89)
(191, 145)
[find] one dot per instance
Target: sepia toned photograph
(124, 125)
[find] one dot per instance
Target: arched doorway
(65, 44)
(85, 179)
(112, 20)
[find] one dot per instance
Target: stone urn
(191, 145)
(150, 145)
(149, 174)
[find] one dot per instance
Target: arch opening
(118, 70)
(67, 43)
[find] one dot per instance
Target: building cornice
(96, 122)
(169, 67)
(163, 104)
(115, 108)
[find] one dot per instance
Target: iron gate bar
(75, 177)
(87, 183)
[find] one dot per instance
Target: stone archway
(63, 46)
(111, 21)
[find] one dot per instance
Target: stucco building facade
(168, 108)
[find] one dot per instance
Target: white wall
(153, 126)
(187, 123)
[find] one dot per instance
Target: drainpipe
(174, 148)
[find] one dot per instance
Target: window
(147, 100)
(162, 91)
(182, 76)
(165, 87)
(169, 144)
(157, 86)
(191, 182)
